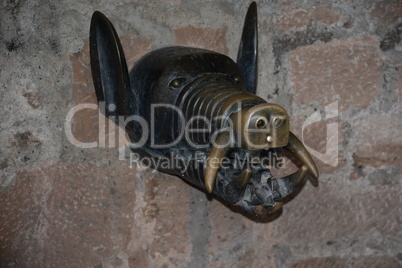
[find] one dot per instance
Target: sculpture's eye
(261, 123)
(236, 78)
(176, 83)
(278, 121)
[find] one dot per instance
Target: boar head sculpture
(208, 118)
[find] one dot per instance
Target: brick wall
(62, 206)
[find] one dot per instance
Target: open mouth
(246, 179)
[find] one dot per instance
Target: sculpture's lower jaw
(261, 211)
(253, 187)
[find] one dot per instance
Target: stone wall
(63, 206)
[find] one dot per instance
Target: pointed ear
(248, 49)
(108, 65)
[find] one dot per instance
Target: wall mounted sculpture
(204, 114)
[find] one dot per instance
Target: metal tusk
(214, 160)
(296, 147)
(244, 178)
(235, 189)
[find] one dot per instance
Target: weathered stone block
(348, 71)
(379, 142)
(298, 18)
(207, 38)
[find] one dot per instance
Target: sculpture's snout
(264, 126)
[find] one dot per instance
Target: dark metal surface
(204, 86)
(248, 49)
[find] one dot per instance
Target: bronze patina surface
(212, 94)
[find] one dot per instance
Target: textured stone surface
(65, 206)
(79, 212)
(85, 123)
(325, 140)
(381, 261)
(379, 142)
(345, 70)
(398, 84)
(174, 2)
(34, 99)
(135, 47)
(298, 18)
(322, 214)
(387, 12)
(293, 19)
(208, 38)
(333, 262)
(326, 15)
(91, 215)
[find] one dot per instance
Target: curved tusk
(235, 189)
(296, 147)
(217, 153)
(243, 178)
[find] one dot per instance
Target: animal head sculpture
(209, 118)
